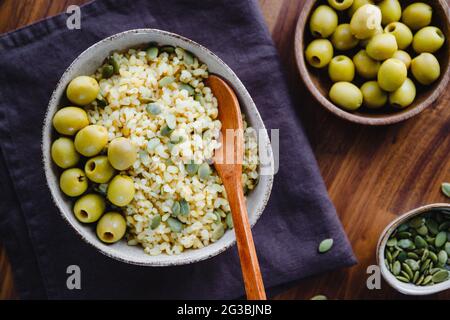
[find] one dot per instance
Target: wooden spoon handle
(251, 273)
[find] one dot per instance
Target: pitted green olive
(83, 90)
(366, 21)
(121, 153)
(428, 39)
(73, 182)
(401, 32)
(425, 68)
(365, 66)
(343, 39)
(89, 208)
(111, 227)
(346, 95)
(90, 140)
(382, 46)
(341, 68)
(64, 153)
(403, 96)
(70, 120)
(392, 74)
(121, 190)
(417, 15)
(99, 169)
(373, 96)
(403, 56)
(319, 53)
(323, 22)
(340, 4)
(391, 11)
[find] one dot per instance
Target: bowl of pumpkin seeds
(414, 251)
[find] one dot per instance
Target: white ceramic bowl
(407, 288)
(85, 64)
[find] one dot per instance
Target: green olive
(73, 182)
(428, 39)
(111, 227)
(323, 22)
(346, 95)
(417, 15)
(391, 11)
(91, 140)
(89, 208)
(99, 169)
(425, 68)
(121, 190)
(401, 32)
(69, 120)
(82, 90)
(121, 153)
(392, 74)
(341, 68)
(343, 39)
(403, 56)
(319, 53)
(366, 21)
(365, 66)
(356, 5)
(365, 42)
(382, 46)
(340, 4)
(403, 96)
(64, 153)
(373, 96)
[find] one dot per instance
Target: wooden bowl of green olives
(374, 62)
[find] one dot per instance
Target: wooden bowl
(319, 84)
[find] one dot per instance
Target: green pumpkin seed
(152, 53)
(445, 187)
(204, 171)
(229, 220)
(107, 71)
(440, 240)
(153, 108)
(444, 226)
(427, 280)
(433, 226)
(420, 242)
(447, 248)
(442, 257)
(402, 227)
(395, 254)
(396, 268)
(405, 243)
(440, 276)
(176, 208)
(416, 222)
(115, 64)
(325, 245)
(433, 257)
(184, 207)
(402, 256)
(425, 254)
(168, 49)
(413, 255)
(188, 58)
(389, 256)
(218, 232)
(165, 131)
(425, 265)
(191, 168)
(156, 221)
(419, 281)
(416, 276)
(391, 242)
(423, 230)
(319, 297)
(413, 264)
(404, 235)
(175, 225)
(188, 88)
(407, 269)
(166, 81)
(402, 279)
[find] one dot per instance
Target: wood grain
(373, 174)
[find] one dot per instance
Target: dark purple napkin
(41, 245)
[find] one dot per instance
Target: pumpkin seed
(176, 208)
(175, 225)
(396, 268)
(440, 276)
(115, 64)
(192, 168)
(188, 88)
(407, 269)
(402, 279)
(433, 226)
(156, 221)
(413, 264)
(404, 235)
(391, 242)
(167, 49)
(319, 297)
(229, 220)
(433, 257)
(153, 108)
(325, 245)
(218, 232)
(440, 240)
(402, 256)
(419, 281)
(413, 255)
(423, 230)
(166, 81)
(402, 227)
(188, 58)
(444, 226)
(107, 71)
(427, 280)
(416, 222)
(442, 257)
(152, 53)
(405, 243)
(420, 242)
(389, 256)
(184, 207)
(425, 254)
(204, 171)
(447, 248)
(165, 131)
(416, 276)
(425, 265)
(445, 187)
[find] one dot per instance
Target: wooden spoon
(228, 163)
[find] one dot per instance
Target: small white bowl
(407, 288)
(85, 64)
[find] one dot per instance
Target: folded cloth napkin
(41, 245)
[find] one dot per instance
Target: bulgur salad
(145, 133)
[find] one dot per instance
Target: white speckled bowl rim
(86, 63)
(407, 288)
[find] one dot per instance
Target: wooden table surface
(372, 174)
